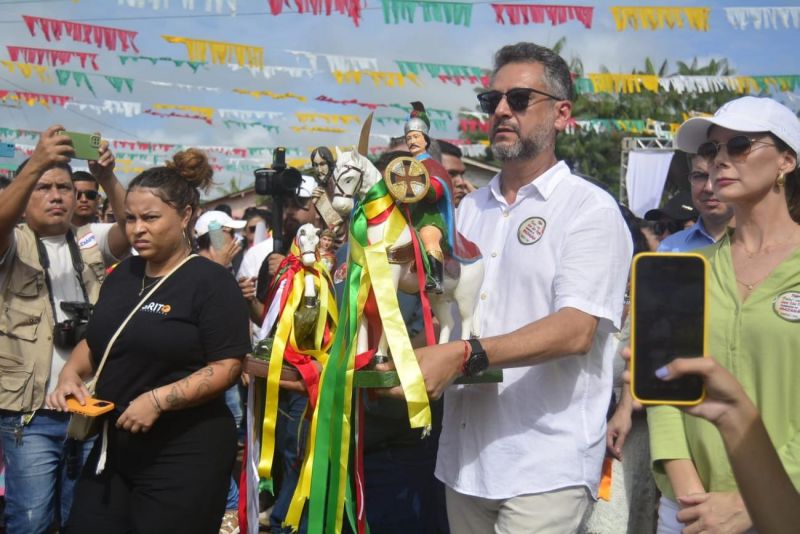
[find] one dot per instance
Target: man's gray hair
(557, 77)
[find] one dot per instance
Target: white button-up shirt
(562, 243)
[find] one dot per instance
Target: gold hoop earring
(780, 181)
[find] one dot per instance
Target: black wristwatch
(477, 362)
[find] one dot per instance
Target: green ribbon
(324, 494)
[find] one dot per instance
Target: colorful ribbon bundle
(369, 290)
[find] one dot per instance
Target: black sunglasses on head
(90, 194)
(737, 146)
(518, 99)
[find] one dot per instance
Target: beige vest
(26, 324)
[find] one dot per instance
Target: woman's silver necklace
(148, 286)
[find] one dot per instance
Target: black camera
(278, 180)
(68, 333)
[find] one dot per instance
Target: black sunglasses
(518, 99)
(737, 146)
(90, 194)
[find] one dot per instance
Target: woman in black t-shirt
(172, 440)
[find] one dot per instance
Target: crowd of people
(140, 297)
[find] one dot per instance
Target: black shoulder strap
(77, 266)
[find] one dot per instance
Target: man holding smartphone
(44, 263)
(525, 455)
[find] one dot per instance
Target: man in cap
(676, 215)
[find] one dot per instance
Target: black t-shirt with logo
(197, 316)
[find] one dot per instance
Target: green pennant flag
(117, 82)
(63, 76)
(79, 77)
(456, 13)
(583, 86)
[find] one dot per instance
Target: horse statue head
(307, 241)
(353, 177)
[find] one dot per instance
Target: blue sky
(753, 52)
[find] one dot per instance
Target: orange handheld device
(668, 320)
(93, 407)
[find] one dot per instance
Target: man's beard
(523, 148)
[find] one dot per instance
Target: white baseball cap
(201, 226)
(746, 114)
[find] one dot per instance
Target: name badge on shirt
(87, 241)
(531, 230)
(787, 306)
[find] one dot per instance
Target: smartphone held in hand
(87, 146)
(668, 321)
(92, 408)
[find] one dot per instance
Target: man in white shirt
(525, 455)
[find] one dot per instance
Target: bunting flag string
(221, 52)
(337, 62)
(638, 126)
(27, 69)
(210, 5)
(536, 14)
(765, 18)
(623, 83)
(80, 78)
(34, 98)
(194, 65)
(350, 102)
(387, 79)
(206, 113)
(473, 125)
(269, 71)
(326, 129)
(14, 133)
(458, 80)
(268, 127)
(101, 36)
(436, 124)
(114, 107)
(185, 86)
(634, 83)
(276, 96)
(329, 118)
(52, 57)
(248, 115)
(475, 115)
(457, 13)
(350, 8)
(437, 69)
(172, 114)
(655, 18)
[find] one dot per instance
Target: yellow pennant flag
(277, 96)
(327, 129)
(221, 53)
(655, 18)
(27, 69)
(330, 118)
(623, 83)
(379, 78)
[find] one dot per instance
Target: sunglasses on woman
(518, 99)
(737, 146)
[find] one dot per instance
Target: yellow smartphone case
(632, 315)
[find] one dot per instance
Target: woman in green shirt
(751, 145)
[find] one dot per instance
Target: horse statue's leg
(466, 296)
(442, 306)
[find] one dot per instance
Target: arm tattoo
(201, 385)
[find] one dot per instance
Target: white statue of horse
(353, 177)
(308, 241)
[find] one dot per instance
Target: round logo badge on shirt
(787, 306)
(531, 230)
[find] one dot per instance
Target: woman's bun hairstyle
(192, 165)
